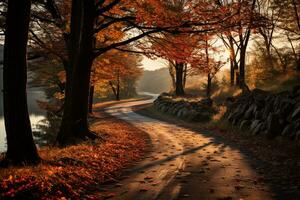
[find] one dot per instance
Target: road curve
(184, 164)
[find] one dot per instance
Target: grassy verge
(77, 172)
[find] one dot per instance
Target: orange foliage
(76, 172)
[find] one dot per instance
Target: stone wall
(265, 113)
(197, 111)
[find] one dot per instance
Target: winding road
(184, 164)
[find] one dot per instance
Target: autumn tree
(289, 21)
(205, 63)
(245, 26)
(119, 70)
(178, 50)
(238, 35)
(20, 145)
(230, 45)
(271, 15)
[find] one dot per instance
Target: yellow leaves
(106, 61)
(112, 64)
(59, 95)
(111, 34)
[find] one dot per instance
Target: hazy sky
(149, 64)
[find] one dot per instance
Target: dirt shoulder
(78, 171)
(277, 160)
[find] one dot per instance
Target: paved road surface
(185, 164)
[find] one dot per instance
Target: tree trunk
(113, 88)
(184, 76)
(91, 98)
(72, 43)
(179, 79)
(172, 74)
(21, 149)
(298, 64)
(242, 81)
(237, 78)
(231, 73)
(208, 89)
(74, 126)
(118, 86)
(232, 60)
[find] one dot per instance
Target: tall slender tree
(20, 145)
(74, 123)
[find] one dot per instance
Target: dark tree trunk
(184, 76)
(72, 42)
(298, 65)
(237, 78)
(118, 86)
(173, 83)
(113, 88)
(179, 79)
(232, 73)
(172, 74)
(67, 68)
(91, 98)
(21, 149)
(233, 66)
(242, 81)
(74, 125)
(208, 89)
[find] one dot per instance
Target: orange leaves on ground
(77, 171)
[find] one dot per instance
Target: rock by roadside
(266, 113)
(200, 111)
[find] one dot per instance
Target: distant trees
(160, 81)
(116, 70)
(207, 64)
(21, 149)
(278, 36)
(289, 21)
(236, 39)
(178, 50)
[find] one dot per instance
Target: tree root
(80, 137)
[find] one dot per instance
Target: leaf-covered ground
(77, 172)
